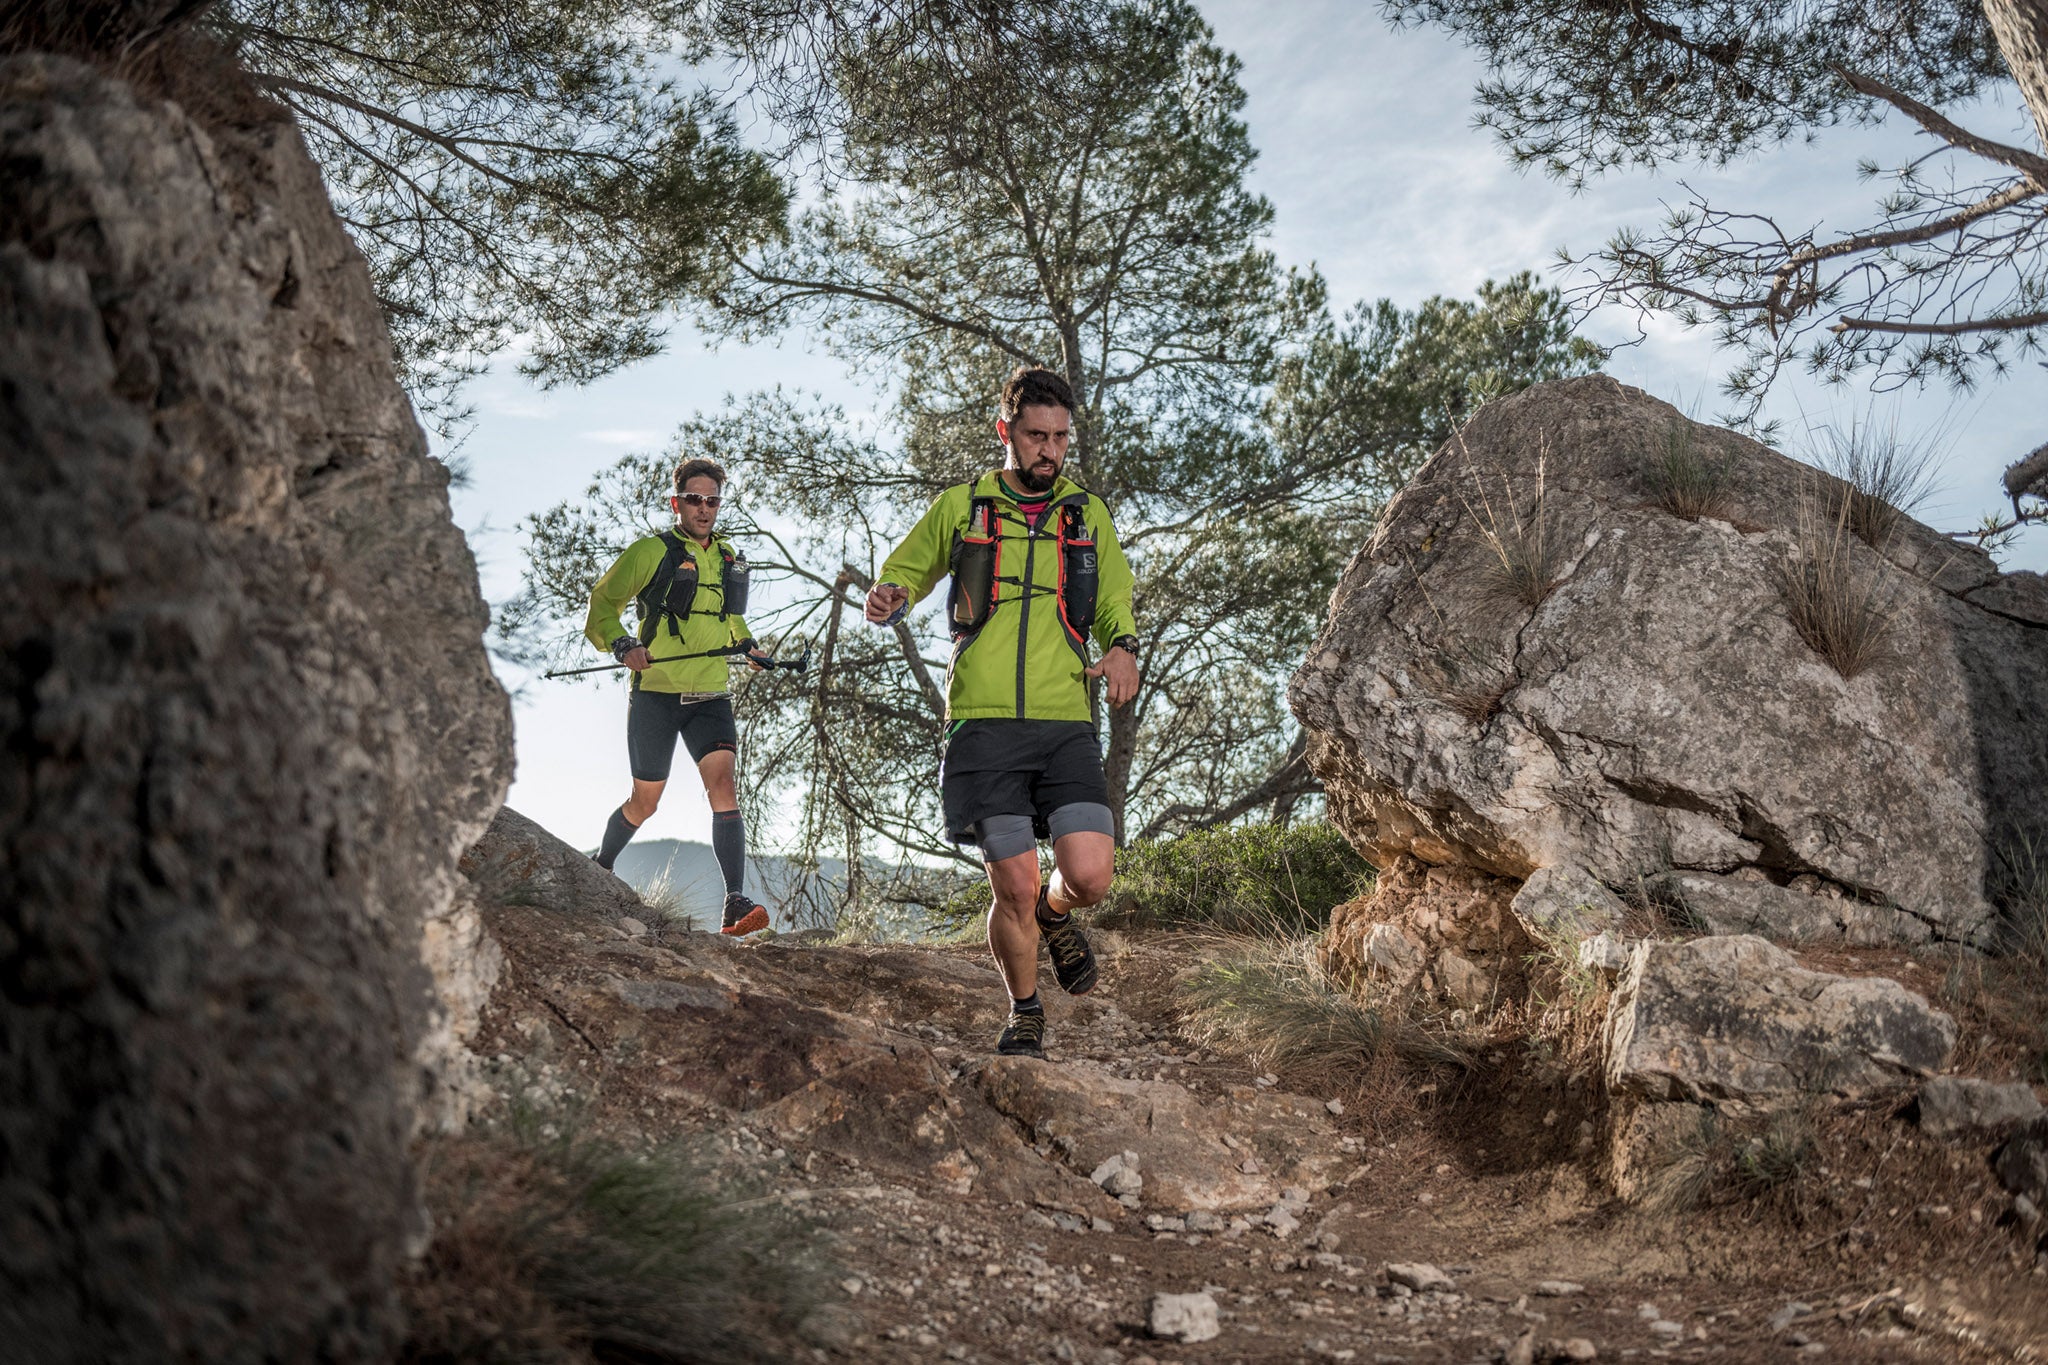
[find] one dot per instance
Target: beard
(1034, 481)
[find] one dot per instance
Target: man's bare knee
(645, 800)
(1087, 887)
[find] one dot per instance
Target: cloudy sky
(1377, 177)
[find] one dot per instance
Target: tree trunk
(1116, 765)
(2021, 27)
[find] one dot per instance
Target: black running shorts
(1017, 767)
(655, 719)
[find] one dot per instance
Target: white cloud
(620, 437)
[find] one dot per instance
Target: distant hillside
(688, 871)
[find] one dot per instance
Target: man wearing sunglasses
(689, 588)
(1038, 584)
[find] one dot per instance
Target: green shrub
(1279, 880)
(572, 1249)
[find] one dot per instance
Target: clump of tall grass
(572, 1249)
(1716, 1161)
(666, 902)
(1841, 597)
(1889, 474)
(1688, 478)
(1276, 1005)
(1527, 548)
(1277, 881)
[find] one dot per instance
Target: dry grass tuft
(1888, 474)
(666, 903)
(1688, 479)
(1717, 1161)
(1274, 1004)
(1528, 550)
(1842, 598)
(571, 1249)
(2000, 998)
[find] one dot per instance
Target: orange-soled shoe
(743, 916)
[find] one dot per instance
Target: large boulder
(1643, 702)
(1738, 1022)
(247, 725)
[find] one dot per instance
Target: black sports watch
(1127, 643)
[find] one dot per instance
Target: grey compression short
(1005, 836)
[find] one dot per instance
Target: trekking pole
(664, 659)
(796, 665)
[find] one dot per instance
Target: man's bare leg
(1013, 923)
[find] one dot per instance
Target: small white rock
(1334, 1106)
(1669, 1330)
(1184, 1317)
(1557, 1289)
(633, 927)
(1420, 1276)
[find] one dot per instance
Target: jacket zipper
(1024, 614)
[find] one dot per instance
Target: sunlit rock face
(1646, 705)
(247, 726)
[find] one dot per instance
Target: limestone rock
(1184, 1317)
(1745, 905)
(1951, 1106)
(517, 861)
(1737, 1020)
(247, 724)
(1656, 709)
(2022, 1163)
(1567, 903)
(1420, 1276)
(1446, 933)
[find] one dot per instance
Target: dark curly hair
(1033, 387)
(697, 466)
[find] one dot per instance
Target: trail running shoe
(1073, 961)
(742, 916)
(1023, 1036)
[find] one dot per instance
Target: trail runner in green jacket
(1022, 760)
(685, 699)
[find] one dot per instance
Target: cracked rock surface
(1656, 709)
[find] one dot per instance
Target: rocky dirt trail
(1003, 1209)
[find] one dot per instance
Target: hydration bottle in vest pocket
(1077, 576)
(737, 576)
(973, 566)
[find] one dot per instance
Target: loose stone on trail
(1184, 1317)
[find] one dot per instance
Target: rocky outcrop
(1816, 912)
(518, 861)
(1962, 1106)
(248, 727)
(1738, 1023)
(1639, 702)
(1441, 935)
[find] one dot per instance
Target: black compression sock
(729, 843)
(1028, 1005)
(618, 832)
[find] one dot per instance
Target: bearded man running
(1037, 576)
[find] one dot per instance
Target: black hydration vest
(672, 591)
(976, 565)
